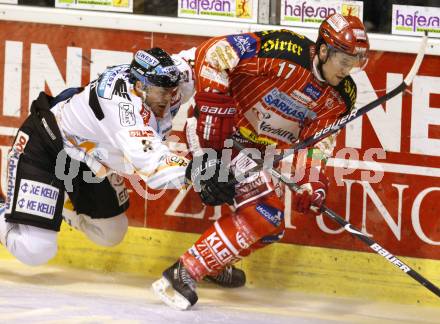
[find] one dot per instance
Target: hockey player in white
(113, 126)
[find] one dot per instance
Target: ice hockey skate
(230, 277)
(176, 288)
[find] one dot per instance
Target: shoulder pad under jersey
(348, 91)
(285, 44)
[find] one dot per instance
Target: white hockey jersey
(107, 127)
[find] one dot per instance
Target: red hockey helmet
(346, 34)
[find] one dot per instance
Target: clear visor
(349, 63)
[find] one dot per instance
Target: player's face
(158, 99)
(338, 66)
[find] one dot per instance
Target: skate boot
(183, 288)
(230, 277)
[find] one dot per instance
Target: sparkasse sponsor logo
(285, 105)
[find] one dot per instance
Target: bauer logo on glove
(215, 118)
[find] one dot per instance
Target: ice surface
(49, 294)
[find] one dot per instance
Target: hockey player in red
(264, 88)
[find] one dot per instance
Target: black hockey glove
(211, 179)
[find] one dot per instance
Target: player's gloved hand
(215, 118)
(211, 180)
(312, 193)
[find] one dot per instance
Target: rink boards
(400, 210)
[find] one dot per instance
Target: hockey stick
(341, 122)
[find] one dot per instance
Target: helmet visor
(349, 63)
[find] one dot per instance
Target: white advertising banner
(9, 1)
(414, 20)
(232, 10)
(105, 5)
(310, 13)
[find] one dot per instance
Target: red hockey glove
(215, 118)
(312, 194)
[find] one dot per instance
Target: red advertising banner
(385, 174)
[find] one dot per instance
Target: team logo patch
(126, 114)
(121, 89)
(244, 45)
(106, 80)
(312, 91)
(37, 198)
(330, 102)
